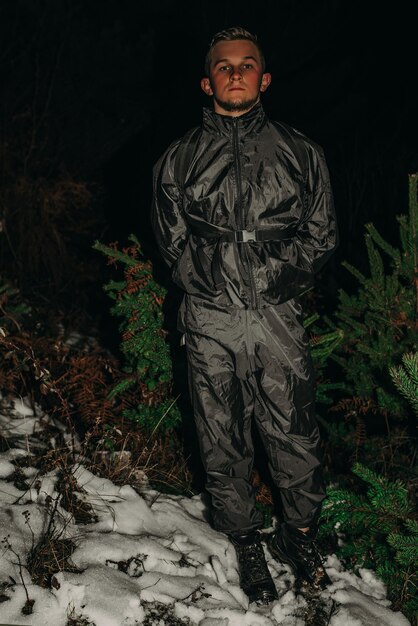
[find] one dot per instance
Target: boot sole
(264, 598)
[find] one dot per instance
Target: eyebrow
(227, 60)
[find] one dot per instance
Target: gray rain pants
(245, 363)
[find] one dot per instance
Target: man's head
(234, 68)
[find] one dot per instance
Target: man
(243, 215)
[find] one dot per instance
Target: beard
(238, 105)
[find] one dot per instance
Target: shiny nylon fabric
(244, 175)
(248, 354)
(249, 364)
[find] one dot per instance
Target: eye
(223, 68)
(247, 66)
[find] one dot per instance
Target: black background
(110, 83)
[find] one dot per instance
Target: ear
(265, 81)
(205, 85)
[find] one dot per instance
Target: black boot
(299, 550)
(255, 578)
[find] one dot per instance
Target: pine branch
(405, 378)
(392, 252)
(115, 254)
(376, 264)
(353, 270)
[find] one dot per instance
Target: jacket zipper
(241, 224)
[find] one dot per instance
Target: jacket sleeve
(317, 234)
(168, 224)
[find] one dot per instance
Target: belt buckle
(247, 235)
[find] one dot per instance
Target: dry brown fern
(357, 404)
(263, 492)
(86, 382)
(41, 220)
(71, 383)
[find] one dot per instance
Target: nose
(235, 74)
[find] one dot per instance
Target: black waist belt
(266, 233)
(212, 232)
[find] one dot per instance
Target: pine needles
(379, 530)
(148, 366)
(379, 322)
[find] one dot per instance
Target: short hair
(232, 34)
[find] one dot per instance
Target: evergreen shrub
(379, 530)
(148, 366)
(368, 420)
(379, 524)
(380, 321)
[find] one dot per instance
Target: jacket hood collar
(250, 122)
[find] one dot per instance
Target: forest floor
(79, 550)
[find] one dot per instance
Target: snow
(146, 553)
(19, 418)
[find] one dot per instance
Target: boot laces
(311, 553)
(253, 563)
(314, 561)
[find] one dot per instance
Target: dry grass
(78, 620)
(52, 553)
(81, 511)
(49, 556)
(136, 457)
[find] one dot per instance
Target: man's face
(236, 78)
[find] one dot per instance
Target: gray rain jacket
(246, 174)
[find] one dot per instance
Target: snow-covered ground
(149, 558)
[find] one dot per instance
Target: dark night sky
(125, 83)
(341, 75)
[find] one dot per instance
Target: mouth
(236, 89)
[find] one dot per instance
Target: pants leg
(223, 407)
(236, 358)
(285, 411)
